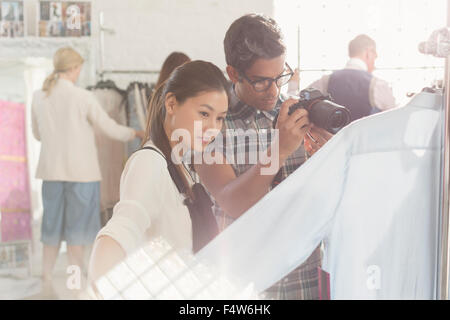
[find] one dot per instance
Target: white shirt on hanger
(372, 193)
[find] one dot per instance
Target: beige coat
(64, 123)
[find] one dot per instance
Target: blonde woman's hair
(63, 60)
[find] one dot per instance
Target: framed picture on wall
(64, 18)
(12, 22)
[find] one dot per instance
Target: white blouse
(64, 122)
(150, 205)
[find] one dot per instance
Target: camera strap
(204, 224)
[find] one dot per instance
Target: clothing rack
(443, 265)
(101, 74)
(378, 69)
(130, 71)
(444, 253)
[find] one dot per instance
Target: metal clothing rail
(387, 68)
(444, 246)
(102, 73)
(438, 45)
(130, 71)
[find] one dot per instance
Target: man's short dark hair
(359, 44)
(251, 37)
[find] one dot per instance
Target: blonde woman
(63, 119)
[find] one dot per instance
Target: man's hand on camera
(315, 139)
(292, 128)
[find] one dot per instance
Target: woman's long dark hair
(186, 81)
(173, 60)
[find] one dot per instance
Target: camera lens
(329, 115)
(337, 120)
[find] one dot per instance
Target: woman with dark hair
(172, 61)
(158, 197)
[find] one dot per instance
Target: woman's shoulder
(147, 162)
(66, 87)
(83, 93)
(149, 145)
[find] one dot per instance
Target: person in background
(158, 195)
(172, 61)
(63, 120)
(256, 64)
(355, 87)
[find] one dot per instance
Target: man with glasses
(255, 55)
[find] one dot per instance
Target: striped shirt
(301, 283)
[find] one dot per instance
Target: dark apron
(204, 224)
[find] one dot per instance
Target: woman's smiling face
(201, 116)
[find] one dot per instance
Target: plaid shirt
(302, 283)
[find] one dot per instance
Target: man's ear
(233, 74)
(170, 103)
(367, 54)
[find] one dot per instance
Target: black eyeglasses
(266, 83)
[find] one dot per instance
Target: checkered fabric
(302, 283)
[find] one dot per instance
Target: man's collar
(241, 110)
(356, 63)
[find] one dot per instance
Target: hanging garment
(111, 153)
(15, 215)
(140, 106)
(134, 120)
(372, 193)
(145, 101)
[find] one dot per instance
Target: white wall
(397, 26)
(147, 31)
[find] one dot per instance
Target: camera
(322, 111)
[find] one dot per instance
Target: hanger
(107, 84)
